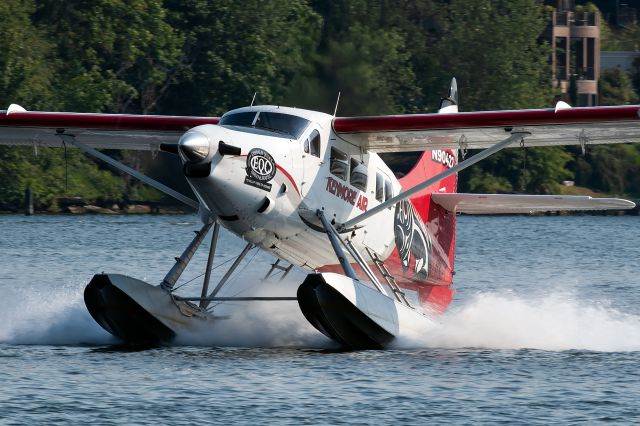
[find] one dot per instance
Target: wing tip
(626, 204)
(615, 203)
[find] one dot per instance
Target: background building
(575, 44)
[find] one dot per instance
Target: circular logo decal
(260, 165)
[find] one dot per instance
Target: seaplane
(365, 206)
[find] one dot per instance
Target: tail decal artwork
(412, 240)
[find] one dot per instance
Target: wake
(554, 323)
(31, 316)
(57, 316)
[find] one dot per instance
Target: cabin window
(312, 144)
(379, 187)
(388, 189)
(384, 188)
(358, 176)
(338, 165)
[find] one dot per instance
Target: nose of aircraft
(194, 147)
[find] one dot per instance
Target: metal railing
(578, 19)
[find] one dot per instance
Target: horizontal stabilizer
(511, 203)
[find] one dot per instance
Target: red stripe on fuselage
(286, 173)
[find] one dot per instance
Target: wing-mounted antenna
(450, 103)
(15, 108)
(562, 105)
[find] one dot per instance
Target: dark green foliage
(616, 88)
(535, 171)
(234, 50)
(613, 169)
(45, 173)
(635, 74)
(493, 48)
(25, 71)
(112, 55)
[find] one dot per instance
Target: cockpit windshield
(284, 124)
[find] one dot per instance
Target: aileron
(516, 203)
(479, 130)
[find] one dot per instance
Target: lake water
(545, 328)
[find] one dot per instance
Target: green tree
(51, 174)
(613, 169)
(368, 53)
(25, 74)
(372, 70)
(235, 51)
(113, 55)
(494, 48)
(531, 170)
(616, 88)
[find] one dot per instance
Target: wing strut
(136, 174)
(419, 187)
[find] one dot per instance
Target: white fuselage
(269, 194)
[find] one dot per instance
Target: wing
(509, 204)
(474, 130)
(117, 131)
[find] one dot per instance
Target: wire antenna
(66, 168)
(254, 98)
(335, 111)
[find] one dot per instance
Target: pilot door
(311, 163)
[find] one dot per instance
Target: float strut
(276, 265)
(212, 254)
(224, 279)
(174, 274)
(335, 243)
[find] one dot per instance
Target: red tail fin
(429, 273)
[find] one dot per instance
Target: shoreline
(93, 209)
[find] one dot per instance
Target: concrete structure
(575, 44)
(621, 59)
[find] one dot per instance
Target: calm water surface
(545, 329)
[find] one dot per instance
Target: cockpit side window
(358, 176)
(379, 187)
(388, 189)
(312, 144)
(315, 143)
(338, 165)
